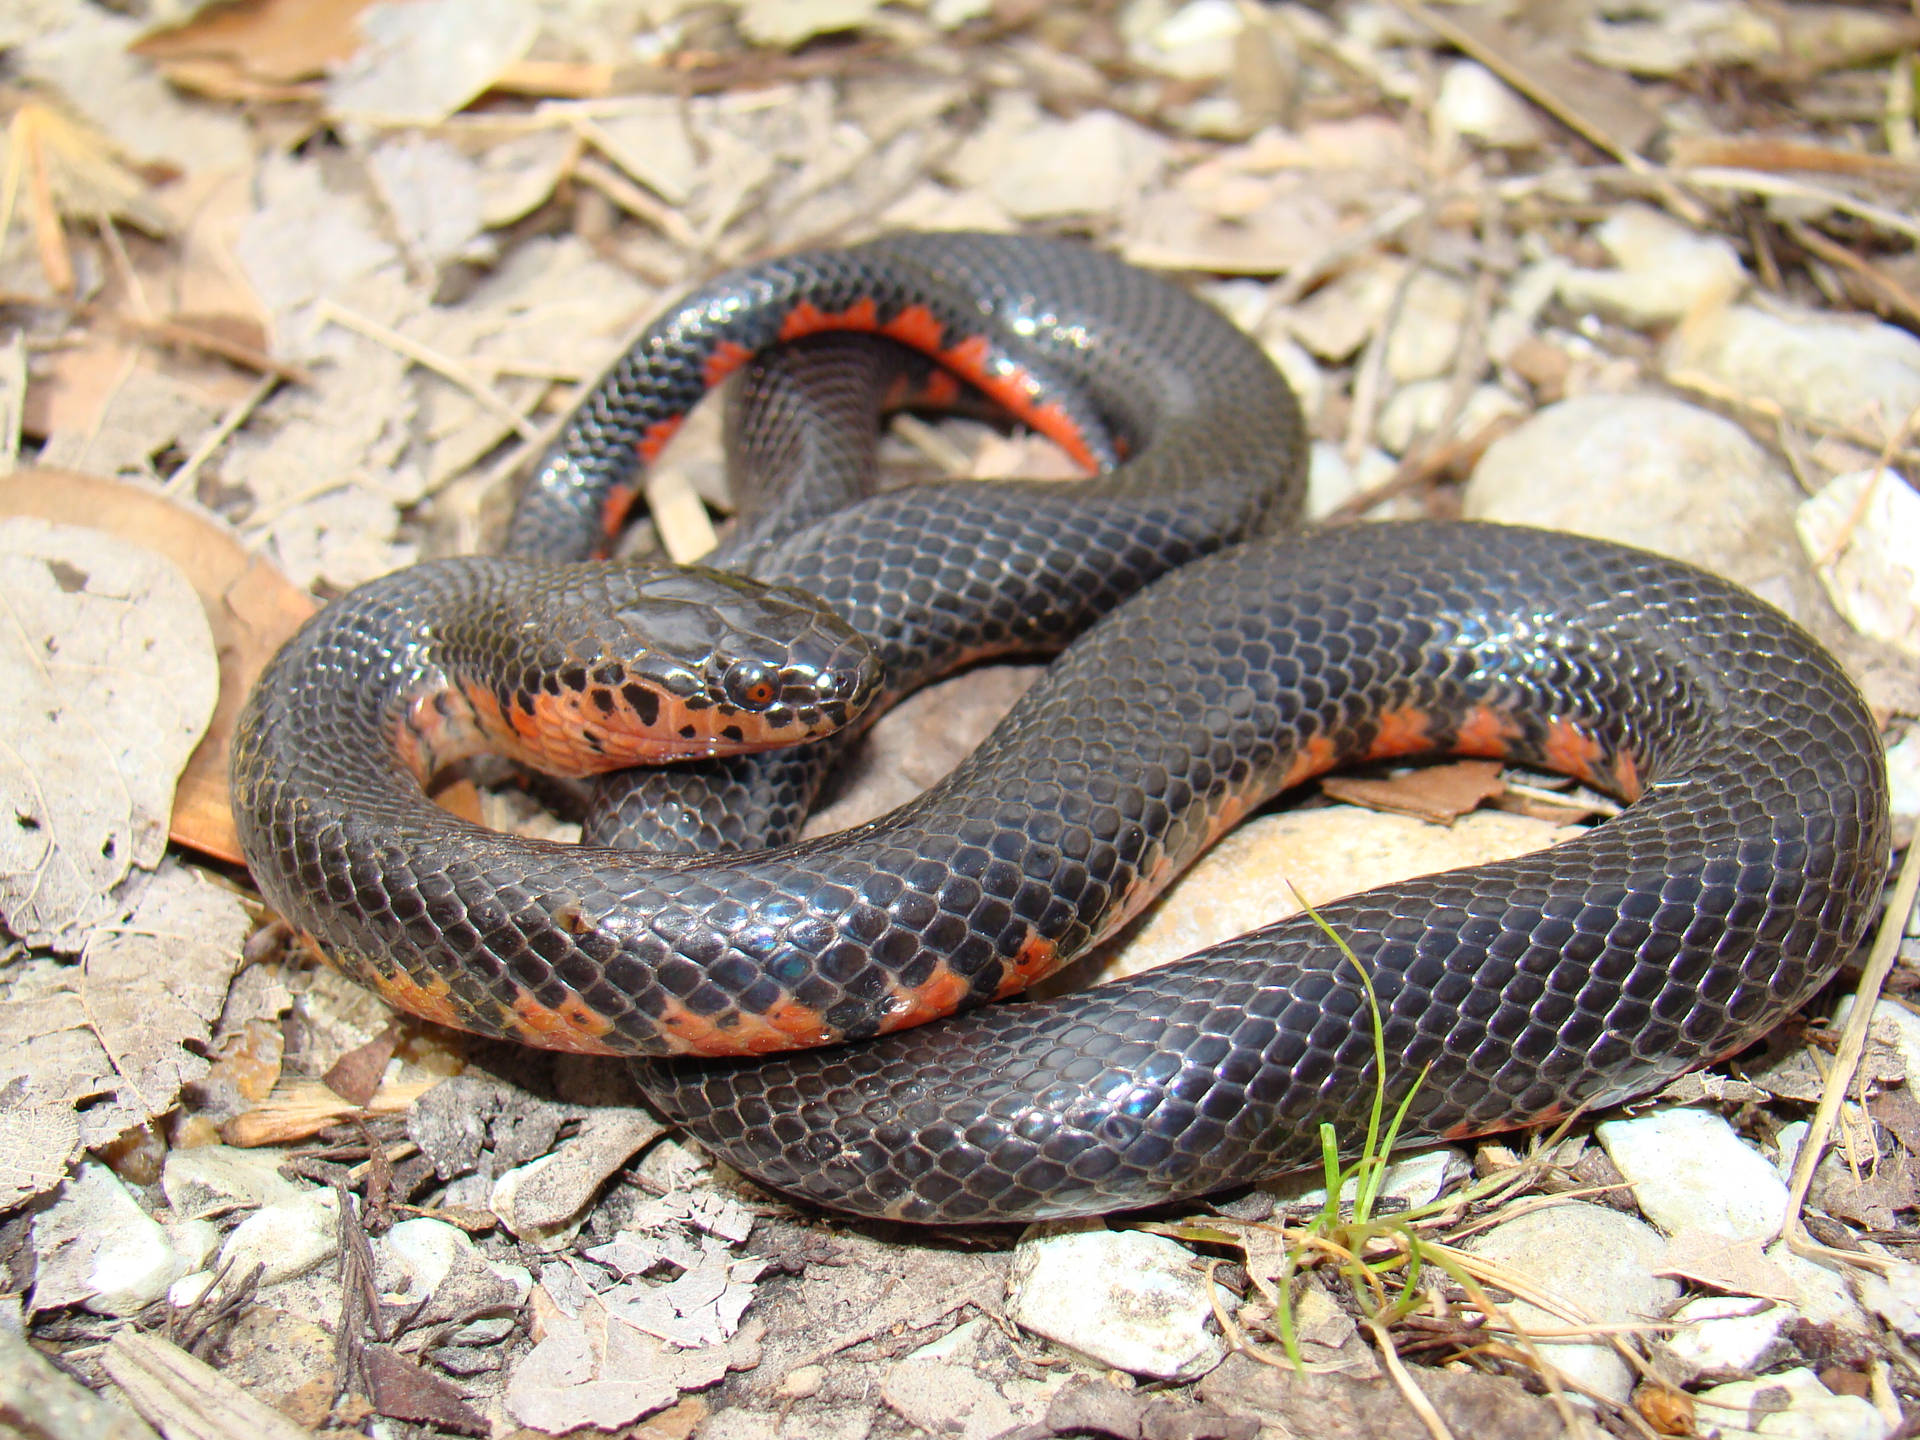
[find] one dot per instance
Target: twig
(181, 481)
(1846, 1058)
(440, 363)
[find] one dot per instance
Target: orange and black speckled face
(618, 665)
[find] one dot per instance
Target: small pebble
(1727, 1332)
(1690, 1171)
(284, 1239)
(1792, 1405)
(1588, 1256)
(1862, 534)
(1127, 1299)
(94, 1246)
(1666, 270)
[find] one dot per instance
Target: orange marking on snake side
(806, 318)
(1406, 731)
(917, 326)
(938, 995)
(727, 357)
(430, 999)
(1468, 1130)
(570, 1026)
(1315, 757)
(1486, 732)
(788, 1027)
(1626, 778)
(655, 440)
(1037, 958)
(1572, 751)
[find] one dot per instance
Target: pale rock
(1787, 1141)
(1332, 482)
(1428, 330)
(1134, 1301)
(1670, 38)
(1903, 785)
(1689, 1170)
(1894, 1297)
(1193, 42)
(783, 24)
(1841, 370)
(1862, 534)
(1819, 1293)
(427, 1250)
(1792, 1405)
(948, 1400)
(194, 1241)
(1655, 472)
(210, 1180)
(1899, 1024)
(1248, 879)
(958, 1346)
(285, 1238)
(1476, 104)
(1337, 319)
(1415, 1179)
(1666, 271)
(1727, 1332)
(189, 1290)
(94, 1246)
(544, 1201)
(1038, 168)
(1416, 410)
(1517, 316)
(1594, 1259)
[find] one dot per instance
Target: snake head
(580, 669)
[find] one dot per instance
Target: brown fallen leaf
(404, 1391)
(228, 50)
(250, 608)
(303, 1108)
(1439, 793)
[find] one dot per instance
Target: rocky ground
(291, 291)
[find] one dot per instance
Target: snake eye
(749, 685)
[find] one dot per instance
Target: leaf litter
(331, 272)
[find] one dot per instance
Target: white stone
(427, 1250)
(1331, 481)
(1819, 1293)
(1727, 1332)
(94, 1246)
(1787, 1142)
(1595, 1259)
(189, 1290)
(1903, 788)
(783, 24)
(1894, 1297)
(1417, 1179)
(211, 1180)
(1416, 410)
(1899, 1024)
(1475, 103)
(1843, 370)
(1428, 330)
(1862, 533)
(1194, 42)
(285, 1238)
(1666, 271)
(1335, 321)
(1689, 1170)
(1134, 1301)
(194, 1241)
(1090, 165)
(1655, 472)
(1811, 1411)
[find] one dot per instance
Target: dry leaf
(249, 606)
(1735, 1267)
(591, 1371)
(111, 669)
(65, 169)
(1438, 793)
(230, 49)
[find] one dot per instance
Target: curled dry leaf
(110, 665)
(250, 607)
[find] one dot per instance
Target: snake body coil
(1726, 893)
